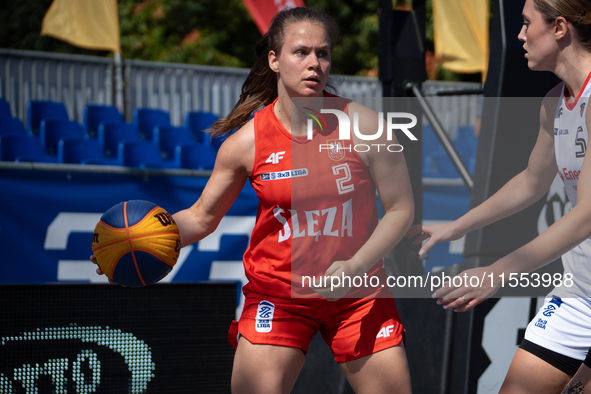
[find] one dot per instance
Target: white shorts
(562, 325)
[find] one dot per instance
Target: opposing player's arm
(529, 185)
(232, 167)
(566, 233)
(517, 194)
(390, 175)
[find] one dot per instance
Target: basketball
(136, 243)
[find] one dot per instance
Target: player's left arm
(389, 173)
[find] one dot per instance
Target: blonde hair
(578, 12)
(260, 87)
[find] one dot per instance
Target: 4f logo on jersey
(581, 143)
(275, 157)
(583, 108)
(385, 331)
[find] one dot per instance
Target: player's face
(538, 39)
(303, 64)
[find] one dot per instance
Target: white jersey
(570, 147)
(562, 323)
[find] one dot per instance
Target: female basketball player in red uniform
(557, 38)
(317, 211)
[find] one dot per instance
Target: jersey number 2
(342, 183)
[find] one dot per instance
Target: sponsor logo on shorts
(541, 323)
(552, 306)
(385, 331)
(264, 320)
(548, 311)
(275, 176)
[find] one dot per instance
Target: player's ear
(273, 61)
(561, 27)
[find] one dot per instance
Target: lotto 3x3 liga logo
(548, 311)
(336, 148)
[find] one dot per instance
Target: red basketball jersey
(317, 205)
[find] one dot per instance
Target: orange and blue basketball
(136, 243)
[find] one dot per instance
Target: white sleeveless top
(570, 146)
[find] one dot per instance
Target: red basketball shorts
(352, 328)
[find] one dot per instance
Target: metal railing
(79, 80)
(71, 79)
(177, 88)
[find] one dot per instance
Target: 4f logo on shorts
(553, 304)
(264, 319)
(385, 331)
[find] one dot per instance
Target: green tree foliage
(206, 32)
(356, 52)
(198, 32)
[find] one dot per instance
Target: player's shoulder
(552, 98)
(555, 92)
(239, 146)
(355, 107)
(548, 108)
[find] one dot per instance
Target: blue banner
(48, 217)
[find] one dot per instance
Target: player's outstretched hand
(98, 269)
(435, 233)
(475, 286)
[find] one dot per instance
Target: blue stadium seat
(22, 147)
(466, 144)
(168, 137)
(5, 111)
(430, 141)
(111, 134)
(145, 119)
(198, 122)
(429, 145)
(144, 154)
(195, 156)
(97, 114)
(78, 150)
(10, 125)
(39, 110)
(52, 130)
(465, 132)
(440, 165)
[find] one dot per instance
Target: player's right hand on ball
(98, 269)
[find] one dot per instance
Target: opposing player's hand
(469, 294)
(336, 287)
(435, 233)
(98, 269)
